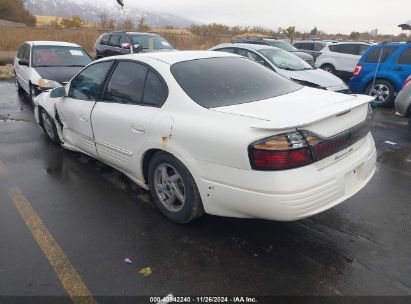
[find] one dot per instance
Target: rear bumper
(285, 195)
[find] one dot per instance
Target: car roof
(249, 46)
(131, 33)
(53, 43)
(173, 57)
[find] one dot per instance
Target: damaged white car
(212, 132)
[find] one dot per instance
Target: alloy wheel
(48, 126)
(169, 187)
(381, 92)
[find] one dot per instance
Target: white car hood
(316, 76)
(299, 108)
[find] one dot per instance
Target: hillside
(91, 12)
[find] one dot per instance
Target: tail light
(301, 148)
(408, 80)
(280, 152)
(357, 70)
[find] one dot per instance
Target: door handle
(399, 69)
(83, 118)
(138, 129)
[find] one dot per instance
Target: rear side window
(155, 91)
(126, 85)
(114, 40)
(385, 53)
(87, 84)
(405, 57)
(104, 40)
(218, 82)
(351, 49)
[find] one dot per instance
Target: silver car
(403, 102)
(287, 65)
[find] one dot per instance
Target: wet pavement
(99, 218)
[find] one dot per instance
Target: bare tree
(103, 17)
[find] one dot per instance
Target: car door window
(363, 48)
(21, 51)
(114, 41)
(349, 48)
(155, 90)
(253, 57)
(26, 53)
(105, 39)
(124, 39)
(126, 84)
(307, 46)
(405, 57)
(87, 84)
(318, 46)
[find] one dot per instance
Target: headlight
(48, 84)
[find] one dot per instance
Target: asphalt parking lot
(65, 214)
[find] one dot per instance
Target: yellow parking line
(3, 169)
(65, 271)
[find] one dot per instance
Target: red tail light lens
(408, 80)
(357, 70)
(280, 152)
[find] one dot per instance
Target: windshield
(59, 56)
(284, 45)
(225, 81)
(149, 42)
(285, 60)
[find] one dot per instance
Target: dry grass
(6, 72)
(12, 38)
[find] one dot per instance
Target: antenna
(376, 71)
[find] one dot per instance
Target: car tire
(328, 68)
(20, 89)
(32, 93)
(384, 92)
(49, 127)
(173, 189)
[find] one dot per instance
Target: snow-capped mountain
(91, 12)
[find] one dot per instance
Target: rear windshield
(218, 82)
(59, 56)
(150, 42)
(380, 54)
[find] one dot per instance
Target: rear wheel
(383, 91)
(173, 189)
(328, 68)
(49, 127)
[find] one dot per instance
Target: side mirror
(58, 92)
(125, 46)
(24, 62)
(137, 48)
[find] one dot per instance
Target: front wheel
(328, 68)
(383, 91)
(173, 189)
(49, 127)
(19, 88)
(33, 93)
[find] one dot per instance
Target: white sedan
(41, 65)
(212, 132)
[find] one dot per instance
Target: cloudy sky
(331, 16)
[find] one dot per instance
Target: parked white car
(286, 64)
(214, 132)
(341, 58)
(41, 65)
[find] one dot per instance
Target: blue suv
(390, 73)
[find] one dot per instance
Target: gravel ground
(6, 72)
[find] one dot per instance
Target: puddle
(399, 160)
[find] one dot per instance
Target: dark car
(277, 43)
(312, 47)
(122, 43)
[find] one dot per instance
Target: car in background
(286, 64)
(261, 146)
(42, 65)
(311, 47)
(382, 71)
(277, 43)
(342, 57)
(122, 43)
(403, 102)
